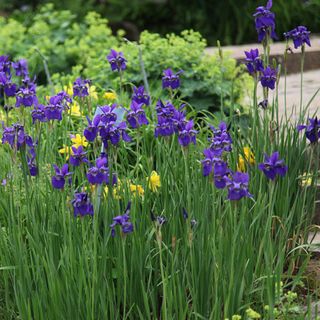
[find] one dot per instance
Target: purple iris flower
(185, 214)
(62, 99)
(237, 186)
(221, 140)
(170, 79)
(299, 35)
(123, 222)
(211, 157)
(82, 205)
(21, 68)
(160, 220)
(263, 104)
(114, 132)
(10, 89)
(312, 130)
(268, 78)
(220, 172)
(5, 64)
(166, 113)
(58, 181)
(16, 137)
(26, 95)
(38, 113)
(53, 111)
(265, 22)
(140, 96)
(91, 131)
(31, 161)
(222, 128)
(187, 134)
(179, 119)
(164, 127)
(8, 86)
(253, 61)
(57, 104)
(116, 60)
(273, 166)
(100, 173)
(136, 115)
(81, 87)
(166, 110)
(171, 120)
(108, 113)
(78, 156)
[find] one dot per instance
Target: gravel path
(311, 83)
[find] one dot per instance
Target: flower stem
(301, 73)
(164, 287)
(124, 277)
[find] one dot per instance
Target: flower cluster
(299, 36)
(53, 110)
(26, 93)
(265, 22)
(215, 164)
(266, 75)
(16, 137)
(171, 120)
(99, 173)
(105, 124)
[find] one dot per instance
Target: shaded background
(229, 21)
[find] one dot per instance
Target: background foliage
(229, 21)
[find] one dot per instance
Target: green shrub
(80, 48)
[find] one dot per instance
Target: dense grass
(56, 266)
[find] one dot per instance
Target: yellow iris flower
(110, 96)
(154, 181)
(137, 189)
(248, 158)
(75, 110)
(66, 150)
(79, 140)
